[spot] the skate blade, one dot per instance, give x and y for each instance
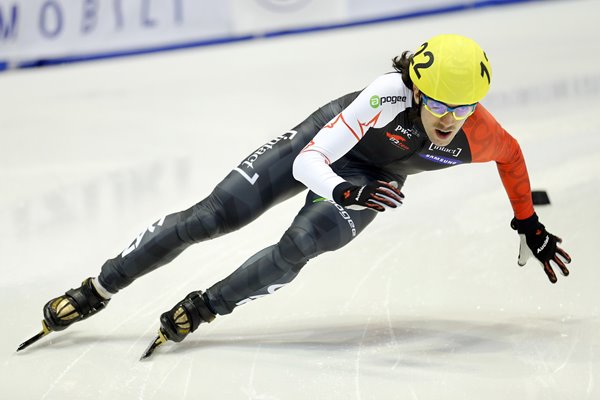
(158, 341)
(45, 330)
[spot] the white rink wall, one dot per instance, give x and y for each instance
(43, 32)
(427, 303)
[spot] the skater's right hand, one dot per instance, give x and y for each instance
(378, 196)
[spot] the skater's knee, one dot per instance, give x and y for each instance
(298, 245)
(200, 223)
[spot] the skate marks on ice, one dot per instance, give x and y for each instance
(359, 351)
(418, 343)
(348, 355)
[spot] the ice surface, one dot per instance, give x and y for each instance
(428, 303)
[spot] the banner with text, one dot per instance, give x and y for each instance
(34, 32)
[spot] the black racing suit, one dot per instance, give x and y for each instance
(264, 178)
(261, 180)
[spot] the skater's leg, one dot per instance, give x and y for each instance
(320, 226)
(164, 240)
(261, 180)
(237, 200)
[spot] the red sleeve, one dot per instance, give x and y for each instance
(490, 142)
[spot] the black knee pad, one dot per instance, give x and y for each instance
(298, 245)
(201, 223)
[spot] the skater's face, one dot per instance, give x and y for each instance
(439, 130)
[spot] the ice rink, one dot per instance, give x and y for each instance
(428, 303)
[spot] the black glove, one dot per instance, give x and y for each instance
(536, 241)
(377, 196)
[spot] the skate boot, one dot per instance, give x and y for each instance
(181, 320)
(63, 311)
(75, 305)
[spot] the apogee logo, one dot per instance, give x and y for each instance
(377, 101)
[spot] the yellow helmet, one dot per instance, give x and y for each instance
(452, 69)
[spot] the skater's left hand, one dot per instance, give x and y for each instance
(537, 242)
(378, 196)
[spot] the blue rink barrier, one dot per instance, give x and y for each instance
(468, 5)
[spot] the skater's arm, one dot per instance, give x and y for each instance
(490, 142)
(345, 130)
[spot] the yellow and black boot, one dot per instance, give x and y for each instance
(75, 305)
(185, 317)
(181, 320)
